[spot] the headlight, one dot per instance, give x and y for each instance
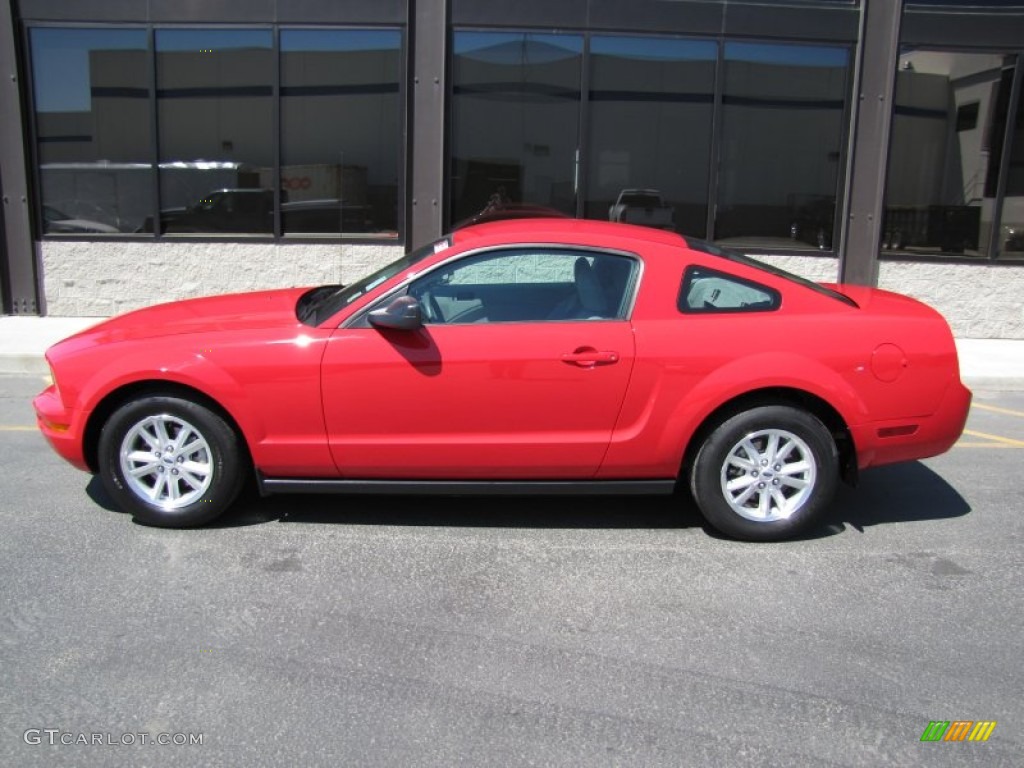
(53, 380)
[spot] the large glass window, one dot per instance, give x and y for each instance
(738, 142)
(340, 131)
(94, 144)
(216, 130)
(651, 109)
(945, 152)
(783, 117)
(1011, 244)
(514, 121)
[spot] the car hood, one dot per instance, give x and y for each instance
(262, 309)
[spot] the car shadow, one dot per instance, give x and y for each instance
(583, 512)
(901, 493)
(95, 491)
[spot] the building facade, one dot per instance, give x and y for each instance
(153, 150)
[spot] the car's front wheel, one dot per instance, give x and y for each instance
(170, 462)
(766, 473)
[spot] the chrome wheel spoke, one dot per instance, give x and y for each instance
(155, 491)
(784, 452)
(740, 483)
(793, 482)
(744, 497)
(173, 491)
(742, 463)
(779, 499)
(196, 483)
(148, 434)
(195, 468)
(160, 428)
(751, 451)
(144, 469)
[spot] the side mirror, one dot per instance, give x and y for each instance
(402, 314)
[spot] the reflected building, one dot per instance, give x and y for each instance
(289, 143)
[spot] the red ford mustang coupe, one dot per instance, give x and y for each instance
(545, 356)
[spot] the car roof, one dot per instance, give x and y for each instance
(564, 230)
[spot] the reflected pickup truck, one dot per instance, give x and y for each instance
(644, 207)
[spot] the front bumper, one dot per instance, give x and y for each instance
(62, 427)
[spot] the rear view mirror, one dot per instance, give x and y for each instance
(402, 314)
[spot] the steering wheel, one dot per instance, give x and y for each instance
(431, 309)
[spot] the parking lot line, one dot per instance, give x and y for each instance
(17, 429)
(1002, 446)
(996, 438)
(997, 409)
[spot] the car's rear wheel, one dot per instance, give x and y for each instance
(766, 473)
(170, 462)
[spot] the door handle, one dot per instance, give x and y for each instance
(588, 357)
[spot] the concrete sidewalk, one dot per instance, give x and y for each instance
(996, 364)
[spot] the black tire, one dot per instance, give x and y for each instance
(765, 501)
(202, 464)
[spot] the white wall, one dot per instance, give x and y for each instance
(98, 279)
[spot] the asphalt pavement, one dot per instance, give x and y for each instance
(392, 631)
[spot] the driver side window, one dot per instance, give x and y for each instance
(527, 285)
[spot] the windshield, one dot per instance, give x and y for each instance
(319, 304)
(739, 258)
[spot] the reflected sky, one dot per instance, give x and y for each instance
(60, 64)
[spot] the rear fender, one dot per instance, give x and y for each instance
(765, 373)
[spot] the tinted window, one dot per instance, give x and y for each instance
(216, 129)
(944, 164)
(708, 291)
(527, 285)
(651, 104)
(91, 93)
(781, 147)
(1011, 243)
(340, 130)
(514, 121)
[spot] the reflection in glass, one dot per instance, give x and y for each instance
(91, 95)
(514, 121)
(215, 118)
(651, 105)
(783, 112)
(944, 153)
(340, 130)
(1012, 241)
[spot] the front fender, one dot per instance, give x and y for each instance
(268, 383)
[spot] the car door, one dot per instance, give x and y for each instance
(512, 376)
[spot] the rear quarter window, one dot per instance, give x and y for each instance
(708, 291)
